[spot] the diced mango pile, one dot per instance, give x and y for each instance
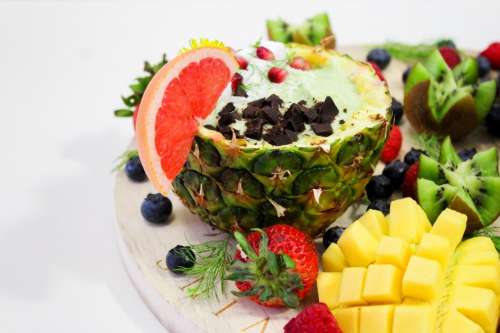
(400, 274)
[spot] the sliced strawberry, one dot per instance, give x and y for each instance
(409, 187)
(392, 145)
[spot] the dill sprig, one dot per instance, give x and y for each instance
(491, 232)
(430, 143)
(212, 260)
(124, 158)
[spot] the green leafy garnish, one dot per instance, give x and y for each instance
(124, 158)
(490, 232)
(212, 259)
(413, 52)
(430, 143)
(138, 88)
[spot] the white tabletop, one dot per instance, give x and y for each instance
(63, 66)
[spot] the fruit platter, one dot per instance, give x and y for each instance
(297, 185)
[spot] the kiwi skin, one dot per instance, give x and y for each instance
(459, 121)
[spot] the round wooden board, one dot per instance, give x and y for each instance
(143, 245)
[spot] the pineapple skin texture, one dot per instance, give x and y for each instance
(230, 186)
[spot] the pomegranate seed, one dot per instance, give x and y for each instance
(264, 53)
(300, 63)
(236, 81)
(277, 75)
(242, 62)
(377, 71)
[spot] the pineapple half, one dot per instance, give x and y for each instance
(236, 181)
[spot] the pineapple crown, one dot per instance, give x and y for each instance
(138, 87)
(271, 275)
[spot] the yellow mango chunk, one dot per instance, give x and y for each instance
(477, 304)
(483, 276)
(375, 222)
(477, 244)
(450, 224)
(478, 258)
(379, 316)
(457, 322)
(358, 245)
(421, 278)
(405, 220)
(382, 284)
(435, 247)
(423, 220)
(393, 251)
(333, 259)
(328, 284)
(413, 319)
(348, 319)
(351, 286)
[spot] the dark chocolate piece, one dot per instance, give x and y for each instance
(240, 92)
(254, 128)
(328, 111)
(272, 114)
(322, 129)
(251, 112)
(227, 109)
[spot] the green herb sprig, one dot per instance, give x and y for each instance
(124, 158)
(430, 143)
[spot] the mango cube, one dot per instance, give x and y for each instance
(477, 304)
(451, 225)
(393, 251)
(333, 259)
(379, 316)
(358, 245)
(348, 319)
(406, 221)
(375, 222)
(435, 247)
(351, 286)
(421, 278)
(382, 284)
(413, 319)
(457, 322)
(483, 276)
(328, 284)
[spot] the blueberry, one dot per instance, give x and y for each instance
(180, 258)
(379, 187)
(379, 56)
(395, 171)
(413, 155)
(134, 170)
(467, 154)
(484, 65)
(493, 120)
(156, 208)
(406, 73)
(381, 205)
(332, 235)
(397, 110)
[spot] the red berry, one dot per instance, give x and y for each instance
(236, 81)
(134, 115)
(450, 55)
(300, 63)
(264, 53)
(378, 71)
(492, 53)
(242, 62)
(409, 187)
(277, 75)
(392, 145)
(315, 318)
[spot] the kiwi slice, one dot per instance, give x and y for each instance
(278, 30)
(471, 187)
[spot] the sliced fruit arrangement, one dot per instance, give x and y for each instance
(294, 147)
(314, 31)
(401, 274)
(445, 101)
(470, 186)
(315, 318)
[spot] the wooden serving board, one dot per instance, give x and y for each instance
(144, 247)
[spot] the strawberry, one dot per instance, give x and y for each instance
(300, 63)
(280, 267)
(316, 318)
(378, 71)
(392, 145)
(242, 62)
(236, 81)
(450, 55)
(277, 75)
(492, 53)
(409, 187)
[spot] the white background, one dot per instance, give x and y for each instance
(63, 67)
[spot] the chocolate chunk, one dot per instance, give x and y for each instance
(210, 127)
(272, 114)
(259, 103)
(280, 138)
(227, 109)
(227, 118)
(254, 128)
(328, 111)
(227, 132)
(240, 92)
(274, 101)
(294, 118)
(322, 129)
(251, 112)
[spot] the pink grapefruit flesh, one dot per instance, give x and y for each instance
(184, 91)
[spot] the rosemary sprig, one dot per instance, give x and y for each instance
(124, 158)
(413, 52)
(213, 258)
(491, 232)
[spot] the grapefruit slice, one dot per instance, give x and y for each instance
(184, 91)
